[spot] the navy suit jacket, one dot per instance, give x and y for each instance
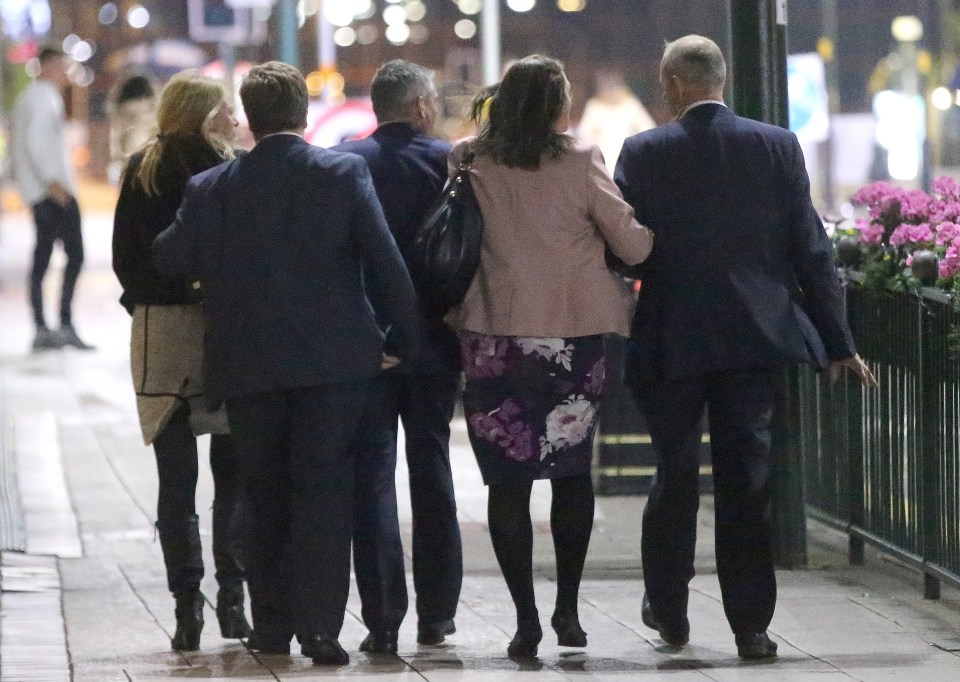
(287, 243)
(409, 171)
(741, 277)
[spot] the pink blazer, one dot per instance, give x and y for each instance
(542, 271)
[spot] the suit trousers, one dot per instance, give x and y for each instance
(297, 469)
(424, 404)
(55, 223)
(740, 408)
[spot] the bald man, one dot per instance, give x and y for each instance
(741, 284)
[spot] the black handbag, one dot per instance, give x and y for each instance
(445, 251)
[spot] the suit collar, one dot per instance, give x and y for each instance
(706, 112)
(280, 140)
(400, 129)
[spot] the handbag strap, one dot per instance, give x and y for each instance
(466, 163)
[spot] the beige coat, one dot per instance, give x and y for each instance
(542, 271)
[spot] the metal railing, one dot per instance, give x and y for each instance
(884, 464)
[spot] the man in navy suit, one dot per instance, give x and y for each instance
(741, 283)
(288, 242)
(409, 169)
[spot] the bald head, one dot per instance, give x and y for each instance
(692, 69)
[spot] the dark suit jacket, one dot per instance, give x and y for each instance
(409, 170)
(741, 277)
(280, 241)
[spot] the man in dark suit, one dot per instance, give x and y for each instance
(287, 242)
(741, 283)
(409, 168)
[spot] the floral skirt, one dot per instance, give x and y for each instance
(531, 404)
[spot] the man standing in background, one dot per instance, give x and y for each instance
(41, 165)
(409, 168)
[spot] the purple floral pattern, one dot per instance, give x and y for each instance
(532, 403)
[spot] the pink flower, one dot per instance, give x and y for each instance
(911, 234)
(946, 233)
(915, 205)
(869, 232)
(947, 188)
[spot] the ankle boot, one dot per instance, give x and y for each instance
(230, 616)
(189, 613)
(525, 642)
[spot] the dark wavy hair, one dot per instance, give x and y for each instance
(519, 128)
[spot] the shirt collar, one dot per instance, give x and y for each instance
(698, 104)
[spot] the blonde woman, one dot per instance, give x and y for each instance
(195, 127)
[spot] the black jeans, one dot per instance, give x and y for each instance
(740, 408)
(55, 223)
(177, 469)
(297, 470)
(424, 404)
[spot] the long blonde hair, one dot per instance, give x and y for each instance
(188, 105)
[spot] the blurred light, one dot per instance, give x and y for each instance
(572, 5)
(314, 83)
(138, 16)
(942, 99)
(336, 83)
(108, 13)
(394, 14)
(470, 6)
(398, 34)
(364, 9)
(301, 14)
(957, 97)
(83, 77)
(344, 36)
(907, 29)
(465, 29)
(339, 13)
(82, 51)
(419, 34)
(416, 10)
(69, 42)
(521, 5)
(311, 7)
(367, 34)
(393, 2)
(32, 67)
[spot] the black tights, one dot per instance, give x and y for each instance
(177, 466)
(511, 531)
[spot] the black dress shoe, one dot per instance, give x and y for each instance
(269, 644)
(524, 644)
(675, 634)
(567, 626)
(323, 650)
(755, 645)
(434, 633)
(380, 642)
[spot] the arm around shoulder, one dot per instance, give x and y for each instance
(175, 249)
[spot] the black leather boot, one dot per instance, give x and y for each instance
(182, 556)
(189, 614)
(230, 616)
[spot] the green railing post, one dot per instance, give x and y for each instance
(759, 69)
(929, 441)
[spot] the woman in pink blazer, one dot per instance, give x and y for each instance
(532, 327)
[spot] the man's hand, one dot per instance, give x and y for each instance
(59, 193)
(856, 364)
(389, 361)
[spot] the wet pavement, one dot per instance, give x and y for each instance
(88, 601)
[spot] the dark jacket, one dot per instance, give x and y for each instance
(409, 170)
(139, 218)
(741, 277)
(281, 240)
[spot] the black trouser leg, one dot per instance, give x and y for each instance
(741, 411)
(673, 411)
(571, 521)
(45, 220)
(426, 404)
(511, 532)
(72, 240)
(258, 424)
(226, 504)
(377, 549)
(176, 452)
